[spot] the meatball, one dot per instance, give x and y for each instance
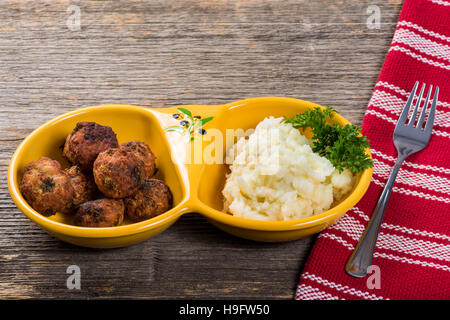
(151, 199)
(100, 213)
(46, 188)
(83, 185)
(142, 150)
(86, 141)
(118, 172)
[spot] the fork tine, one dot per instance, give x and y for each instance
(405, 112)
(424, 109)
(430, 120)
(419, 99)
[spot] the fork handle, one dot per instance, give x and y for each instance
(361, 258)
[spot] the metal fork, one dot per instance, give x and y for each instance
(409, 138)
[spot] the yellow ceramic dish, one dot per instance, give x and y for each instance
(195, 187)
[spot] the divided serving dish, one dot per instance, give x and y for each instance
(196, 186)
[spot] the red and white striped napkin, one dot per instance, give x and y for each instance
(412, 256)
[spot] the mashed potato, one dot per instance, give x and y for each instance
(276, 176)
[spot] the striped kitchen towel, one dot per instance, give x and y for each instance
(412, 256)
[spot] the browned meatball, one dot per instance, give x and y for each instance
(142, 150)
(151, 199)
(86, 141)
(83, 185)
(118, 172)
(100, 213)
(46, 188)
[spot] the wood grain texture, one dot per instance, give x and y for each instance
(164, 53)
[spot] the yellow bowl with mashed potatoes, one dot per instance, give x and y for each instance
(193, 164)
(247, 114)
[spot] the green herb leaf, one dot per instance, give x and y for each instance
(344, 146)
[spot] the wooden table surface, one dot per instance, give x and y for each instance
(164, 53)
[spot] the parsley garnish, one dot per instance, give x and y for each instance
(344, 146)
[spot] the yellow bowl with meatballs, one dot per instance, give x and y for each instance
(114, 175)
